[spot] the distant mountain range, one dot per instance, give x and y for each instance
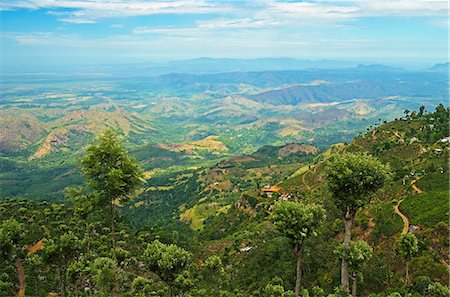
(222, 65)
(443, 67)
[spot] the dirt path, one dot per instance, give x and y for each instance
(358, 146)
(21, 271)
(444, 263)
(373, 134)
(38, 246)
(304, 181)
(313, 171)
(416, 189)
(430, 248)
(21, 276)
(404, 218)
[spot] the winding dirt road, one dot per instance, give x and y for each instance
(404, 218)
(416, 189)
(21, 276)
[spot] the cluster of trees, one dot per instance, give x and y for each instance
(89, 250)
(353, 179)
(436, 123)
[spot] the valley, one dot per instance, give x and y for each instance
(218, 152)
(192, 120)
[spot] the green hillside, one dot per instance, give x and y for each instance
(220, 213)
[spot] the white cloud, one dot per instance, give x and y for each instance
(404, 8)
(91, 11)
(250, 14)
(225, 23)
(314, 10)
(169, 31)
(116, 26)
(359, 8)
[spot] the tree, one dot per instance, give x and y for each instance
(421, 111)
(142, 286)
(168, 261)
(214, 273)
(83, 205)
(112, 174)
(353, 178)
(358, 253)
(438, 290)
(104, 272)
(60, 252)
(275, 288)
(297, 221)
(407, 246)
(11, 234)
(78, 273)
(34, 264)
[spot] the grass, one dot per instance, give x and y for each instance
(427, 209)
(387, 222)
(196, 215)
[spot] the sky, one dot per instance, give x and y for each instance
(37, 34)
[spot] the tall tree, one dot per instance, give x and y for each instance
(168, 261)
(11, 234)
(111, 173)
(105, 275)
(359, 252)
(407, 246)
(297, 221)
(214, 273)
(353, 178)
(60, 252)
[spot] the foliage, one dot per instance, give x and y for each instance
(359, 252)
(239, 251)
(104, 272)
(169, 262)
(297, 220)
(438, 290)
(353, 178)
(275, 288)
(407, 246)
(109, 170)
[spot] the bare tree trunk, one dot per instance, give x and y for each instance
(348, 223)
(298, 282)
(407, 272)
(88, 247)
(62, 281)
(36, 285)
(90, 287)
(354, 285)
(170, 291)
(113, 236)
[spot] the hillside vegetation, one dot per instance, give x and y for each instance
(220, 229)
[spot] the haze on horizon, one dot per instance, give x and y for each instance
(38, 35)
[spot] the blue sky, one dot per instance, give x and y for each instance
(40, 33)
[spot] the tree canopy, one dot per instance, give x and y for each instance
(109, 170)
(354, 177)
(297, 220)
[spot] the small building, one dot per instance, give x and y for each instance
(285, 197)
(269, 190)
(245, 249)
(414, 139)
(445, 139)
